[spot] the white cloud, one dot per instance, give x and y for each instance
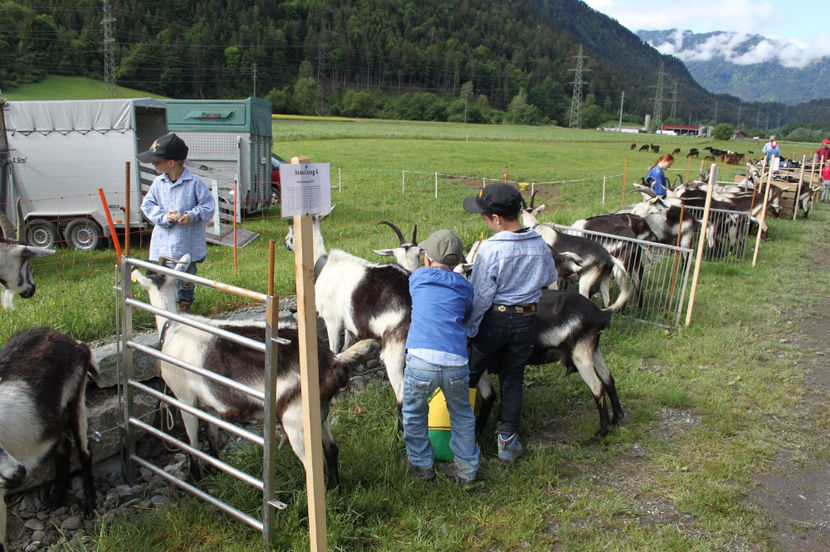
(794, 37)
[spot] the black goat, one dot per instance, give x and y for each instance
(568, 329)
(42, 403)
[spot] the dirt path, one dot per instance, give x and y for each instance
(795, 494)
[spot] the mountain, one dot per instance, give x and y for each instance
(752, 67)
(498, 61)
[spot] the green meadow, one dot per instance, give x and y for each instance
(707, 405)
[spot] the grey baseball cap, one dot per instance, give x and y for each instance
(445, 247)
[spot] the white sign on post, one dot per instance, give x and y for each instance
(306, 189)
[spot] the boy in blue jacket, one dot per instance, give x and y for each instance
(436, 356)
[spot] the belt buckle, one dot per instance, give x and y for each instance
(501, 308)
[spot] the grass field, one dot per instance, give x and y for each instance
(731, 378)
(57, 87)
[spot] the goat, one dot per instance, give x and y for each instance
(632, 255)
(16, 270)
(675, 151)
(368, 300)
(633, 146)
(244, 365)
(42, 402)
(407, 253)
(693, 152)
(664, 219)
(644, 147)
(593, 265)
(655, 148)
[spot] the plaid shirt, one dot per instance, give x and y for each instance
(188, 194)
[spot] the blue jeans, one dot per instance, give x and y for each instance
(185, 289)
(825, 188)
(420, 379)
(502, 346)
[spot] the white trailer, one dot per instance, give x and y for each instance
(59, 153)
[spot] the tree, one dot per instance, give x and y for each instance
(520, 112)
(723, 131)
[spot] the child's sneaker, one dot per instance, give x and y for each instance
(509, 447)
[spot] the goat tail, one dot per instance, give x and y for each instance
(625, 283)
(357, 351)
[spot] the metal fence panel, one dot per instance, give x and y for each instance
(726, 236)
(660, 274)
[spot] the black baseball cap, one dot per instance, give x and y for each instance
(497, 199)
(166, 147)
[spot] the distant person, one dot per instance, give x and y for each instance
(823, 153)
(656, 177)
(771, 150)
(179, 204)
(436, 356)
(509, 272)
(825, 184)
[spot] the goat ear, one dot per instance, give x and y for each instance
(384, 252)
(540, 208)
(39, 251)
(183, 262)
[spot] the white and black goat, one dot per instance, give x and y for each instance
(594, 267)
(630, 253)
(16, 270)
(408, 253)
(43, 377)
(362, 299)
(244, 365)
(568, 328)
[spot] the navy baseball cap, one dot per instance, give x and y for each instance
(166, 147)
(497, 199)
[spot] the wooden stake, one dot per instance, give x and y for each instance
(798, 189)
(762, 219)
(310, 378)
(713, 177)
(126, 211)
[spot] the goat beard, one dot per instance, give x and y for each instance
(8, 299)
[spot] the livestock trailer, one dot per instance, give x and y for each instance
(229, 141)
(59, 153)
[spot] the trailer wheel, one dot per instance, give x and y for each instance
(84, 234)
(41, 233)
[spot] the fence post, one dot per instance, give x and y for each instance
(625, 177)
(436, 184)
(339, 180)
(798, 190)
(603, 190)
(713, 177)
(403, 182)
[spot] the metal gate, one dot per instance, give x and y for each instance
(726, 235)
(660, 273)
(268, 397)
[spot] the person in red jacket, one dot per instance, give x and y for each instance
(823, 153)
(825, 185)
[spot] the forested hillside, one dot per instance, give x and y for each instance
(502, 60)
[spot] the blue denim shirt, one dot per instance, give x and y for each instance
(188, 194)
(511, 268)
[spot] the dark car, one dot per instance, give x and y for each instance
(275, 177)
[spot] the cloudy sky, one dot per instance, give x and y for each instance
(798, 30)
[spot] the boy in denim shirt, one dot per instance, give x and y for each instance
(179, 204)
(436, 356)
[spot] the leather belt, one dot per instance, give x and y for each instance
(527, 310)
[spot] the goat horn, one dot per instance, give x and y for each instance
(415, 233)
(395, 228)
(533, 198)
